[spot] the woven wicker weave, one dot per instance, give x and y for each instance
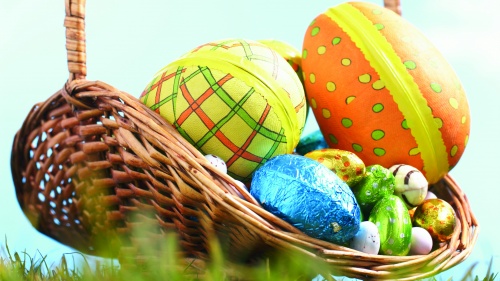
(98, 171)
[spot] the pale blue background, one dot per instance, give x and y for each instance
(128, 41)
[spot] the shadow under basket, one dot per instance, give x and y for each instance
(97, 170)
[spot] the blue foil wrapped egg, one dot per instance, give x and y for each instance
(309, 196)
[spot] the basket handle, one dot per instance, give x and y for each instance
(75, 35)
(75, 39)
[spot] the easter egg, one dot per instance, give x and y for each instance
(409, 184)
(377, 183)
(217, 162)
(391, 217)
(421, 241)
(379, 88)
(345, 164)
(234, 98)
(310, 142)
(367, 239)
(307, 195)
(437, 217)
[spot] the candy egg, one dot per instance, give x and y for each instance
(377, 183)
(309, 196)
(345, 164)
(217, 162)
(421, 241)
(379, 88)
(237, 99)
(391, 217)
(410, 184)
(437, 217)
(367, 239)
(430, 195)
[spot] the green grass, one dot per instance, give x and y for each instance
(22, 266)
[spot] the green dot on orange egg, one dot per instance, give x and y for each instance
(376, 11)
(313, 103)
(466, 139)
(439, 122)
(378, 134)
(304, 54)
(454, 103)
(379, 151)
(378, 85)
(321, 50)
(410, 64)
(312, 78)
(346, 122)
(454, 150)
(315, 31)
(326, 113)
(378, 107)
(464, 119)
(349, 99)
(404, 124)
(414, 151)
(333, 139)
(345, 62)
(357, 147)
(436, 87)
(312, 22)
(379, 26)
(330, 86)
(336, 41)
(364, 78)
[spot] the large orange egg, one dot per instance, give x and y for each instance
(379, 88)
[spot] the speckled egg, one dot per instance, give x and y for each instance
(217, 162)
(437, 217)
(345, 164)
(378, 87)
(309, 196)
(367, 239)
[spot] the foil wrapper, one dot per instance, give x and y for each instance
(309, 196)
(311, 142)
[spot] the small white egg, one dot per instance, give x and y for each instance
(430, 195)
(421, 241)
(242, 185)
(367, 239)
(217, 162)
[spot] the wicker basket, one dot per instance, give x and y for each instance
(98, 171)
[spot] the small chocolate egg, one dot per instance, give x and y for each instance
(367, 240)
(391, 217)
(307, 195)
(437, 217)
(345, 164)
(421, 241)
(312, 141)
(217, 162)
(410, 184)
(377, 183)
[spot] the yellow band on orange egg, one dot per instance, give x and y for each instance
(243, 69)
(401, 85)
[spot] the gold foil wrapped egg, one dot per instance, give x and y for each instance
(437, 217)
